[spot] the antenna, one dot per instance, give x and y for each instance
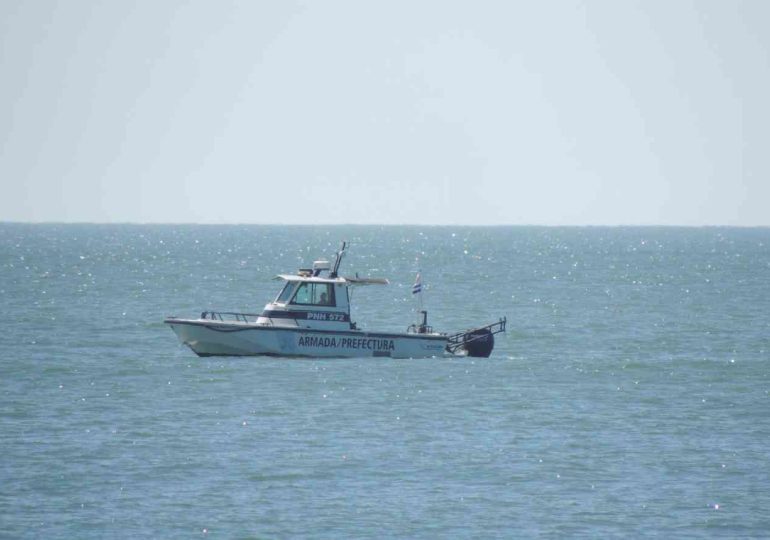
(337, 262)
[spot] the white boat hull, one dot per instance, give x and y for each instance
(226, 338)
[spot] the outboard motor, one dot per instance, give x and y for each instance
(479, 343)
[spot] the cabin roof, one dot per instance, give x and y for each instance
(339, 280)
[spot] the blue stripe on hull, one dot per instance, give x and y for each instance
(352, 333)
(333, 316)
(221, 339)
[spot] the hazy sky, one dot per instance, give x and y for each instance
(511, 112)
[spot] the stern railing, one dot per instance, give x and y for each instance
(461, 340)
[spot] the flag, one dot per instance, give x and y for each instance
(417, 287)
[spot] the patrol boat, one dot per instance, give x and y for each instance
(310, 317)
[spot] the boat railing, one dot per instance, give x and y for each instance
(230, 316)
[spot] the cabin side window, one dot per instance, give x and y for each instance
(285, 293)
(315, 294)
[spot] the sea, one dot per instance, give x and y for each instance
(629, 397)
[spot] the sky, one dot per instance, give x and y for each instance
(601, 112)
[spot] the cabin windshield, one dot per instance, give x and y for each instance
(315, 294)
(285, 293)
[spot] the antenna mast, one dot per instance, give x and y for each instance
(337, 262)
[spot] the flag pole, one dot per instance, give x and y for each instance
(417, 289)
(419, 292)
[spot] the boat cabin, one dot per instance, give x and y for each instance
(314, 298)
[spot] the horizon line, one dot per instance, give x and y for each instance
(478, 225)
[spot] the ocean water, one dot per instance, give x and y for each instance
(630, 396)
